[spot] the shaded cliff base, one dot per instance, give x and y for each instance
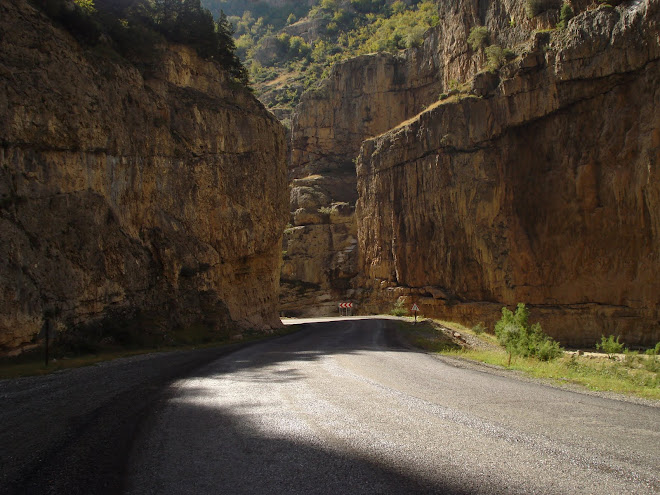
(573, 325)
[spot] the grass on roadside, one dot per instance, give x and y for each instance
(32, 363)
(427, 337)
(636, 375)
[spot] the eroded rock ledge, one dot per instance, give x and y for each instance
(155, 200)
(546, 190)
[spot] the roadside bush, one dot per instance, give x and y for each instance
(515, 334)
(399, 308)
(478, 38)
(479, 328)
(610, 346)
(655, 351)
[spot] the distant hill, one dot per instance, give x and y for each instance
(288, 46)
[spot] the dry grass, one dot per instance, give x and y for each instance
(636, 375)
(32, 363)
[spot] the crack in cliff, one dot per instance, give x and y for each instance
(615, 80)
(405, 90)
(7, 146)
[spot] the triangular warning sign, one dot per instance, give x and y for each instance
(415, 307)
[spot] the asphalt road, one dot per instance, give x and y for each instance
(342, 407)
(339, 407)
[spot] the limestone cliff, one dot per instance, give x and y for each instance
(153, 197)
(543, 190)
(362, 98)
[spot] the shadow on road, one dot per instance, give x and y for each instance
(245, 453)
(73, 432)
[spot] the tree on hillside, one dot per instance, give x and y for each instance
(134, 27)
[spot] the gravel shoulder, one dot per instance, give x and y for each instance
(473, 342)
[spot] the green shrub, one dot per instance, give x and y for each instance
(478, 37)
(515, 334)
(547, 349)
(479, 328)
(496, 56)
(654, 351)
(399, 308)
(610, 346)
(536, 7)
(565, 15)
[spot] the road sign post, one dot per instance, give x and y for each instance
(415, 309)
(346, 306)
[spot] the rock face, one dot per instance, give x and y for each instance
(362, 98)
(544, 191)
(154, 199)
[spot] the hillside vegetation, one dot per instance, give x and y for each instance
(288, 48)
(135, 29)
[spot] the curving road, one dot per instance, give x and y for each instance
(342, 407)
(338, 407)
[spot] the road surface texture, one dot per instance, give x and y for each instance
(339, 407)
(343, 408)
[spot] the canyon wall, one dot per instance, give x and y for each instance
(153, 198)
(543, 189)
(362, 98)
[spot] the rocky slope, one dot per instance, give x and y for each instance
(544, 190)
(129, 199)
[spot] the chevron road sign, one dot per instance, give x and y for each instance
(345, 308)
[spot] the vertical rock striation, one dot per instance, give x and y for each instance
(155, 198)
(543, 191)
(362, 98)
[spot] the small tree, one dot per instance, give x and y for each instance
(536, 7)
(610, 346)
(565, 15)
(86, 5)
(399, 308)
(515, 334)
(478, 38)
(496, 57)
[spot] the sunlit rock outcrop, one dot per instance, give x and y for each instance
(154, 198)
